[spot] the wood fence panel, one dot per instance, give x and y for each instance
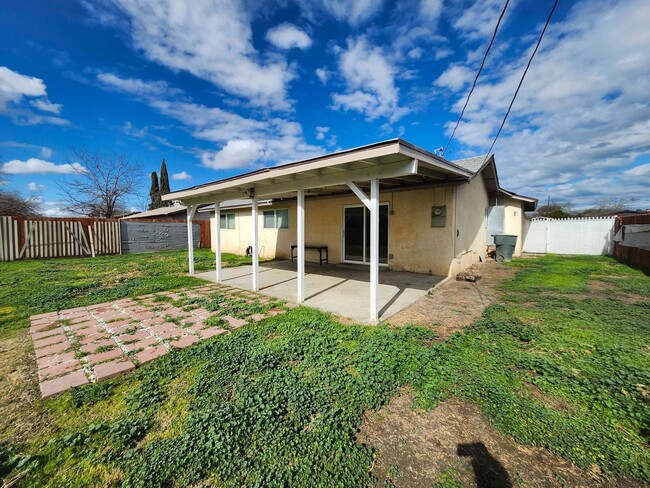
(43, 237)
(632, 255)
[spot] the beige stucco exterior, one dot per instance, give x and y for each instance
(414, 245)
(514, 220)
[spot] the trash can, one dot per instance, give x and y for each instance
(505, 244)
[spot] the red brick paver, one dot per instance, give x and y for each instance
(113, 368)
(87, 344)
(52, 387)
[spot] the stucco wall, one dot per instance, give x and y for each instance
(272, 242)
(414, 244)
(471, 202)
(514, 220)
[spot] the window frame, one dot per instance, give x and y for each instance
(224, 215)
(275, 218)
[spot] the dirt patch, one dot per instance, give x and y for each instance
(602, 290)
(455, 442)
(20, 419)
(456, 304)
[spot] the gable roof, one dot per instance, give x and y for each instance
(486, 164)
(473, 164)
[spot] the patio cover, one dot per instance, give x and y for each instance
(390, 165)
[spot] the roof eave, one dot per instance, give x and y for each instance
(377, 150)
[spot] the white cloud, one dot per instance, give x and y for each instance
(323, 75)
(477, 20)
(369, 77)
(277, 139)
(14, 88)
(45, 105)
(183, 175)
(34, 166)
(287, 36)
(583, 113)
(212, 40)
(45, 151)
(354, 12)
(321, 132)
(455, 77)
(136, 86)
(33, 186)
(13, 83)
(235, 154)
(641, 171)
(431, 9)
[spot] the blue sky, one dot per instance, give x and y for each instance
(221, 87)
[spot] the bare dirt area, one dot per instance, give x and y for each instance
(456, 304)
(455, 444)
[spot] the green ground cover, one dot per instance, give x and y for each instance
(561, 362)
(41, 285)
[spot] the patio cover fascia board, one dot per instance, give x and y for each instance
(359, 164)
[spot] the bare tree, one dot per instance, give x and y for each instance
(101, 184)
(14, 204)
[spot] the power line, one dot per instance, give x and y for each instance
(521, 81)
(494, 34)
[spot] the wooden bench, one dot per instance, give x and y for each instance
(320, 250)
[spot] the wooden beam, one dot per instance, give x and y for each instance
(364, 174)
(359, 193)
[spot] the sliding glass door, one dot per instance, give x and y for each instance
(356, 234)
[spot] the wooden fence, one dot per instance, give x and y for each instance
(632, 255)
(42, 237)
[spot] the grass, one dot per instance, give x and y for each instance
(554, 364)
(38, 286)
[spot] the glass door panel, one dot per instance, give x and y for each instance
(354, 235)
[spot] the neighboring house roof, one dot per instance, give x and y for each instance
(157, 212)
(237, 203)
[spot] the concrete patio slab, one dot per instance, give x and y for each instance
(341, 289)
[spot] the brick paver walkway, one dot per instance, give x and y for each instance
(87, 344)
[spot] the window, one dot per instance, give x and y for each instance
(276, 219)
(227, 220)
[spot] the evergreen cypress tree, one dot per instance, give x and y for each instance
(164, 181)
(154, 193)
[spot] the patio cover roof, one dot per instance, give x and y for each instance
(397, 163)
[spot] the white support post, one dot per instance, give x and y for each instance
(191, 210)
(374, 250)
(256, 264)
(300, 218)
(217, 240)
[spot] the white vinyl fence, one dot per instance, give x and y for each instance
(591, 235)
(38, 237)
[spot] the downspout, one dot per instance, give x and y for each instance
(455, 234)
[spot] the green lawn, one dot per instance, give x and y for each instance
(37, 286)
(561, 362)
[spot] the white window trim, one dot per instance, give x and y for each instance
(275, 219)
(225, 215)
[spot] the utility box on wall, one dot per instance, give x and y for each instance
(439, 216)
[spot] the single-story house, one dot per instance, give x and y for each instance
(389, 204)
